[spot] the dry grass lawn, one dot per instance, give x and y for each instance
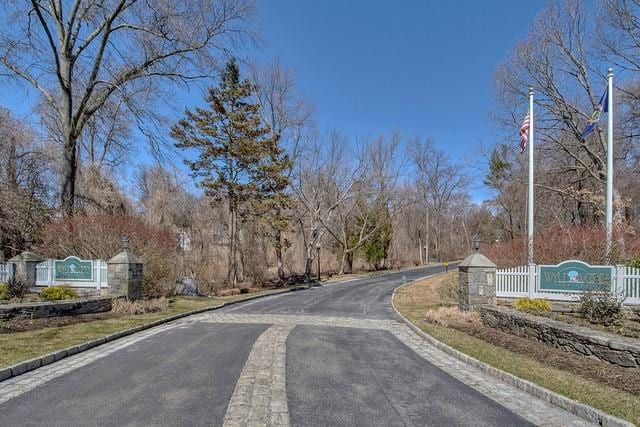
(415, 300)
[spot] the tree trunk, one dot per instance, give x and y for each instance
(307, 269)
(69, 170)
(280, 264)
(232, 272)
(70, 155)
(343, 261)
(350, 262)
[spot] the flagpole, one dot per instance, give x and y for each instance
(609, 201)
(530, 190)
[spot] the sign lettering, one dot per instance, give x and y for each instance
(73, 269)
(574, 276)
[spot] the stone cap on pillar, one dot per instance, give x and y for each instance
(477, 260)
(124, 257)
(26, 256)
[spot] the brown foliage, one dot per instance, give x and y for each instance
(100, 237)
(557, 244)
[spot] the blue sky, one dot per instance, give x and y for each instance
(424, 68)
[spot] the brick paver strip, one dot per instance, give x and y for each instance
(260, 395)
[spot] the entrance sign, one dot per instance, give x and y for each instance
(73, 269)
(575, 276)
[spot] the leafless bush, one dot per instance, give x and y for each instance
(449, 316)
(450, 291)
(124, 307)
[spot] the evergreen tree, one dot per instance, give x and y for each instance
(376, 249)
(239, 161)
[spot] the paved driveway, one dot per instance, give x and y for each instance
(335, 355)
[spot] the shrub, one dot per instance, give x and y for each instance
(4, 291)
(122, 306)
(449, 290)
(449, 316)
(58, 292)
(555, 244)
(635, 262)
(228, 292)
(16, 288)
(532, 305)
(601, 308)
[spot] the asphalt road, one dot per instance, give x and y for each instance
(367, 298)
(335, 376)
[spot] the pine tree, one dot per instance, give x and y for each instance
(239, 161)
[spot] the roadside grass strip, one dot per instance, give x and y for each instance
(415, 299)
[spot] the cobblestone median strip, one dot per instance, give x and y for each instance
(260, 395)
(286, 319)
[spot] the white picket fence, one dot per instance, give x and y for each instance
(6, 272)
(45, 275)
(523, 281)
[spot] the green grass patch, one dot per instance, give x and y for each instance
(414, 300)
(20, 346)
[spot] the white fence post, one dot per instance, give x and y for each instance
(532, 281)
(618, 287)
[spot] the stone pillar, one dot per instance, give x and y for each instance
(24, 268)
(477, 282)
(124, 275)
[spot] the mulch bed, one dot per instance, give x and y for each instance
(602, 372)
(21, 325)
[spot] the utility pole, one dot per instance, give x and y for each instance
(426, 246)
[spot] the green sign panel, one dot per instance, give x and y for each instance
(574, 276)
(73, 269)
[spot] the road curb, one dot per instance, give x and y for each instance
(574, 407)
(40, 361)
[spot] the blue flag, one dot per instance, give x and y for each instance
(603, 107)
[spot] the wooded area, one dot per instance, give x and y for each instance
(265, 189)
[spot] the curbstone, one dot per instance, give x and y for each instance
(46, 359)
(5, 374)
(581, 410)
(18, 369)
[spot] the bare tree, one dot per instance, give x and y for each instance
(323, 180)
(438, 180)
(81, 54)
(24, 178)
(374, 200)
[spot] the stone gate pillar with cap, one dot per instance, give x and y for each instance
(477, 282)
(124, 274)
(25, 264)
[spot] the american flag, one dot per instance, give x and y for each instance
(524, 133)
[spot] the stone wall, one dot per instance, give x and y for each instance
(36, 310)
(611, 348)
